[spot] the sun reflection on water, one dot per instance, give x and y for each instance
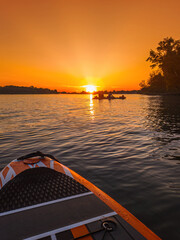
(91, 106)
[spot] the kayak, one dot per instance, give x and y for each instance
(109, 98)
(40, 198)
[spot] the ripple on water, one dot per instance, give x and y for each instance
(130, 149)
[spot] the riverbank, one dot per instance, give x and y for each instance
(26, 90)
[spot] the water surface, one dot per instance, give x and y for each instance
(128, 148)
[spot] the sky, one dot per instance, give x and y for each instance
(66, 44)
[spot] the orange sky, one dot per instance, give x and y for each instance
(65, 44)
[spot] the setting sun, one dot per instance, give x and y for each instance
(90, 88)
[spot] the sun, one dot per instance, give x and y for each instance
(90, 88)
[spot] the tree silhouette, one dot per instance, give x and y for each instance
(166, 60)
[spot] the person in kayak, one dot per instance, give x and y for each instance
(110, 96)
(101, 95)
(123, 97)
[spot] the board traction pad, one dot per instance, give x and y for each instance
(37, 185)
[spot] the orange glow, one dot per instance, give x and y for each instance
(90, 88)
(58, 45)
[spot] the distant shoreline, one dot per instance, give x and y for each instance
(11, 89)
(20, 90)
(26, 90)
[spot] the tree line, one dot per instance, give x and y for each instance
(25, 90)
(165, 65)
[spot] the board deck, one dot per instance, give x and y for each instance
(45, 200)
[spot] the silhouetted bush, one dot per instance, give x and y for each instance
(166, 61)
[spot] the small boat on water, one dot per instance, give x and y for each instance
(100, 98)
(40, 198)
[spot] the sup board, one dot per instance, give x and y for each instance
(41, 199)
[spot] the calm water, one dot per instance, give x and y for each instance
(130, 149)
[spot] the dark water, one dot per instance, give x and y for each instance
(130, 149)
